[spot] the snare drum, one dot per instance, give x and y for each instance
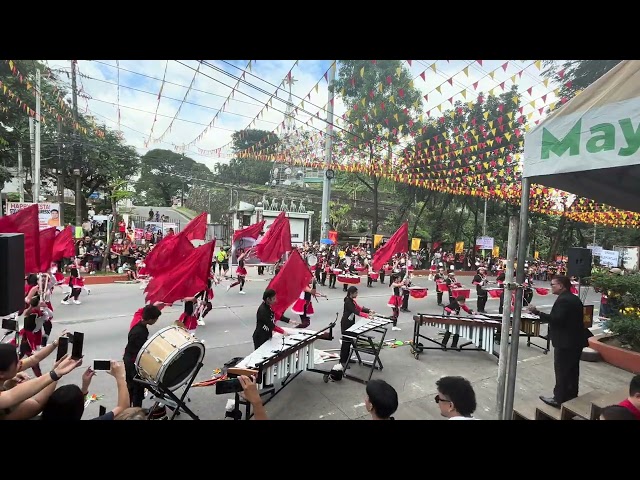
(169, 357)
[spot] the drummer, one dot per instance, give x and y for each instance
(138, 335)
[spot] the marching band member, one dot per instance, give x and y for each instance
(458, 303)
(205, 299)
(241, 271)
(326, 269)
(451, 282)
(480, 280)
(265, 324)
(369, 272)
(395, 300)
(187, 318)
(406, 283)
(76, 288)
(351, 309)
(334, 266)
(438, 278)
(303, 305)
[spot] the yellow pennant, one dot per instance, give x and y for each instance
(466, 70)
(433, 67)
(438, 89)
(392, 99)
(362, 72)
(538, 64)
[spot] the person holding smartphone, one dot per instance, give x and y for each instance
(11, 366)
(251, 395)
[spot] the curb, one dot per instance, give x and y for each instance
(184, 214)
(102, 280)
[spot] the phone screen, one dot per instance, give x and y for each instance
(78, 340)
(63, 347)
(102, 365)
(8, 324)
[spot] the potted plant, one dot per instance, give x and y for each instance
(620, 347)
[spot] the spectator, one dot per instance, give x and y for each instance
(632, 403)
(616, 412)
(381, 401)
(456, 398)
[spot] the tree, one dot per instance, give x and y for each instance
(381, 101)
(245, 167)
(339, 216)
(576, 75)
(165, 174)
(117, 191)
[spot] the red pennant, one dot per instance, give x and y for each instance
(26, 221)
(47, 240)
(290, 281)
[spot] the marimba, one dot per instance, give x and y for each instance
(529, 325)
(279, 361)
(349, 279)
(361, 335)
(478, 329)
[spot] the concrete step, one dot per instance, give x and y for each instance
(546, 412)
(580, 406)
(612, 398)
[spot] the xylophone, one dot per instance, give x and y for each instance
(529, 325)
(360, 334)
(279, 360)
(478, 329)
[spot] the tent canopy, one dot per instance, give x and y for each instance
(591, 146)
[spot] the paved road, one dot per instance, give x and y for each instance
(104, 317)
(170, 212)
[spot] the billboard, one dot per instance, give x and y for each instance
(48, 213)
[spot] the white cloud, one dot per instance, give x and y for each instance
(212, 87)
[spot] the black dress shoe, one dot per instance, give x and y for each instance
(550, 401)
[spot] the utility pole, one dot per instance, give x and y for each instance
(20, 173)
(32, 146)
(60, 175)
(76, 151)
(328, 172)
(36, 172)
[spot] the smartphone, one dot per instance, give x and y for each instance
(70, 337)
(102, 365)
(8, 324)
(232, 385)
(78, 340)
(63, 347)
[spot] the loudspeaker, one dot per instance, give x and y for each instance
(11, 273)
(579, 264)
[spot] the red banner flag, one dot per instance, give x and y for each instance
(47, 240)
(398, 243)
(168, 253)
(26, 221)
(252, 231)
(289, 283)
(196, 229)
(276, 242)
(333, 236)
(63, 245)
(185, 279)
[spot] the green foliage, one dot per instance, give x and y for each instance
(339, 215)
(624, 293)
(246, 168)
(166, 174)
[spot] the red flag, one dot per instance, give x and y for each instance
(333, 236)
(252, 231)
(184, 279)
(290, 281)
(168, 253)
(26, 221)
(398, 243)
(196, 229)
(63, 245)
(276, 242)
(47, 240)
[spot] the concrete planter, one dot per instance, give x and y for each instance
(618, 357)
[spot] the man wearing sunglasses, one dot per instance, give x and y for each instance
(568, 337)
(456, 398)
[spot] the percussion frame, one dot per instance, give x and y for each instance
(369, 348)
(272, 390)
(527, 333)
(417, 348)
(161, 392)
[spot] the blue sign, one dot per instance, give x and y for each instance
(94, 195)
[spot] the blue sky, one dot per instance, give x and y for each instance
(137, 96)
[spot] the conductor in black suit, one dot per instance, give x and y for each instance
(568, 337)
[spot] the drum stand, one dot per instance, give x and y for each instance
(163, 393)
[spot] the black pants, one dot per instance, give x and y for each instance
(405, 300)
(207, 309)
(347, 341)
(323, 278)
(75, 293)
(332, 280)
(566, 364)
(382, 276)
(239, 282)
(136, 389)
(482, 300)
(369, 281)
(260, 270)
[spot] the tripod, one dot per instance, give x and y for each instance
(161, 392)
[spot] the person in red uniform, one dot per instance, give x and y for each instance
(137, 316)
(395, 300)
(632, 403)
(187, 318)
(457, 304)
(76, 285)
(303, 305)
(241, 272)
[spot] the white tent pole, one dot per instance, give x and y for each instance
(517, 309)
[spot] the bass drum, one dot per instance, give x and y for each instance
(169, 357)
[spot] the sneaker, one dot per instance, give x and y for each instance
(242, 292)
(64, 302)
(77, 302)
(396, 329)
(201, 323)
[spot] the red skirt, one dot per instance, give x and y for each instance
(34, 340)
(374, 276)
(190, 322)
(298, 307)
(241, 272)
(395, 301)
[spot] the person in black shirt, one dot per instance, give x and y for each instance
(351, 309)
(479, 281)
(138, 335)
(458, 303)
(265, 325)
(439, 277)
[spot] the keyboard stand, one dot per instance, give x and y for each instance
(366, 344)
